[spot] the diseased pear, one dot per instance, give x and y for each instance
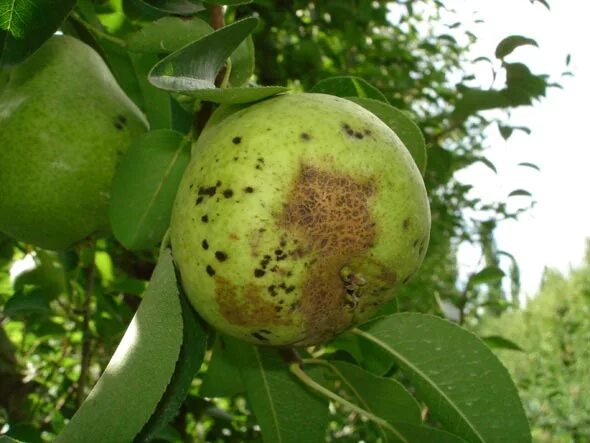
(64, 123)
(297, 218)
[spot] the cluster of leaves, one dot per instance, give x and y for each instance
(412, 375)
(551, 370)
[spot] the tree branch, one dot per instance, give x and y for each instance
(85, 361)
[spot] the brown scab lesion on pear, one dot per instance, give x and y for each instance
(298, 217)
(64, 124)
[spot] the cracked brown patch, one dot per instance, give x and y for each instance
(330, 212)
(248, 306)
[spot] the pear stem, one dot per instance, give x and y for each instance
(296, 370)
(100, 33)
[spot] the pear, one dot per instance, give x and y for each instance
(297, 218)
(64, 124)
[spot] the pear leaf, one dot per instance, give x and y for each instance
(135, 379)
(25, 25)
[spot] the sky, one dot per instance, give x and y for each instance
(553, 233)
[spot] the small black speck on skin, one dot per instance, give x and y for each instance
(278, 309)
(279, 252)
(290, 289)
(259, 273)
(283, 286)
(210, 270)
(272, 290)
(416, 243)
(120, 122)
(205, 218)
(305, 136)
(210, 191)
(205, 244)
(218, 184)
(259, 337)
(228, 193)
(236, 159)
(367, 132)
(221, 256)
(190, 186)
(249, 189)
(264, 262)
(406, 223)
(236, 140)
(283, 242)
(199, 200)
(264, 331)
(359, 135)
(407, 279)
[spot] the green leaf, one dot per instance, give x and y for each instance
(348, 86)
(384, 397)
(179, 7)
(192, 352)
(242, 63)
(285, 409)
(29, 300)
(196, 65)
(156, 103)
(488, 163)
(520, 193)
(401, 124)
(6, 439)
(522, 85)
(368, 355)
(135, 379)
(464, 384)
(505, 131)
(509, 44)
(424, 434)
(25, 25)
(229, 2)
(236, 95)
(145, 185)
(167, 34)
(529, 165)
(48, 275)
(222, 378)
(473, 100)
(488, 275)
(499, 342)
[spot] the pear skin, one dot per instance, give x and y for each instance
(64, 124)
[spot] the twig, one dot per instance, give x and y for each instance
(343, 379)
(296, 369)
(217, 19)
(98, 32)
(85, 360)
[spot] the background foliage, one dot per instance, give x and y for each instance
(552, 372)
(56, 336)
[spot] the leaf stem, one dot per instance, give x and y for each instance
(99, 32)
(296, 370)
(343, 379)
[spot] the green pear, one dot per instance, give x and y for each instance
(297, 218)
(64, 124)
